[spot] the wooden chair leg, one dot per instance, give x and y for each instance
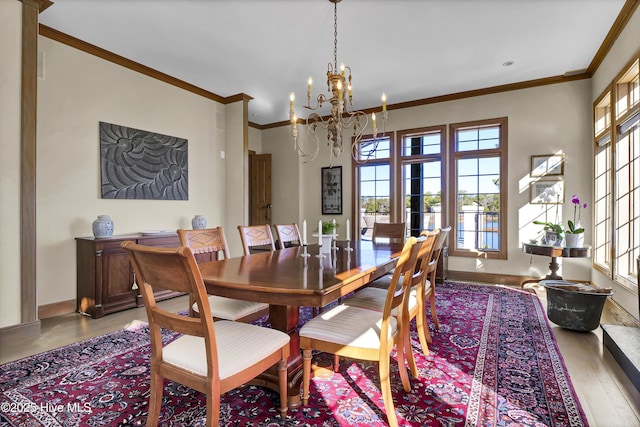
(213, 409)
(155, 399)
(408, 351)
(385, 388)
(423, 327)
(434, 315)
(336, 363)
(306, 374)
(282, 384)
(402, 368)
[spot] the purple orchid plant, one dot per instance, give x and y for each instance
(578, 205)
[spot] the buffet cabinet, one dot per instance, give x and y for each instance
(106, 282)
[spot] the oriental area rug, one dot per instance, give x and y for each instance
(494, 362)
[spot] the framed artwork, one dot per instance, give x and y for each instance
(547, 192)
(547, 165)
(138, 164)
(332, 190)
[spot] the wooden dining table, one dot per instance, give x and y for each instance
(287, 280)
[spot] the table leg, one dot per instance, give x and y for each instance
(285, 318)
(553, 267)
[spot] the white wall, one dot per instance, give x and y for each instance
(626, 45)
(80, 90)
(10, 80)
(542, 120)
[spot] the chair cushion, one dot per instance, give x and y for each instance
(352, 326)
(240, 345)
(374, 299)
(232, 309)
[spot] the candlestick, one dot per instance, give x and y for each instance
(384, 102)
(304, 253)
(320, 233)
(292, 97)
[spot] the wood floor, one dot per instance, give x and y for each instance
(607, 396)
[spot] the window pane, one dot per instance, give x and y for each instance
(483, 138)
(422, 144)
(374, 203)
(627, 203)
(375, 149)
(423, 196)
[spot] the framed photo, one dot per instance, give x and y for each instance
(547, 165)
(547, 192)
(332, 190)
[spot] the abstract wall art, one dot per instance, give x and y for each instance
(138, 164)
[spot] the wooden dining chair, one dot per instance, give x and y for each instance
(212, 241)
(389, 231)
(430, 284)
(364, 334)
(209, 357)
(374, 298)
(256, 238)
(288, 235)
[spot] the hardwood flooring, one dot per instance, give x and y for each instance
(608, 397)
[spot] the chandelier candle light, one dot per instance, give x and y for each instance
(342, 116)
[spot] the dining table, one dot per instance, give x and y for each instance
(295, 277)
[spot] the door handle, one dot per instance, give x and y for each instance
(268, 211)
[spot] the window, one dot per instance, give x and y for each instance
(603, 188)
(627, 201)
(422, 176)
(478, 197)
(373, 184)
(617, 178)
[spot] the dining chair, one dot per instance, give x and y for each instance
(209, 357)
(213, 241)
(389, 231)
(288, 235)
(431, 274)
(373, 298)
(256, 238)
(365, 334)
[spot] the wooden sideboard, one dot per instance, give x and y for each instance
(106, 281)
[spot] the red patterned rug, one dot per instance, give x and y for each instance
(494, 362)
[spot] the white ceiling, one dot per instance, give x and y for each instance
(409, 49)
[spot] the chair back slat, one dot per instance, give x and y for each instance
(288, 235)
(391, 231)
(256, 237)
(424, 256)
(402, 278)
(437, 249)
(205, 240)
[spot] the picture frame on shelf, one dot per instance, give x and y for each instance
(547, 165)
(547, 192)
(332, 190)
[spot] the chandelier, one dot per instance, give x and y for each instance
(342, 116)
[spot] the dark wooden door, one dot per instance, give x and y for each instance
(260, 189)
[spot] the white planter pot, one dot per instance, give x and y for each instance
(574, 240)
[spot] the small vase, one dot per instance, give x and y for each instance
(102, 226)
(574, 240)
(199, 222)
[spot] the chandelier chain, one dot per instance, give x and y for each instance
(335, 35)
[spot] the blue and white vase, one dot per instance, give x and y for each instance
(102, 226)
(199, 222)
